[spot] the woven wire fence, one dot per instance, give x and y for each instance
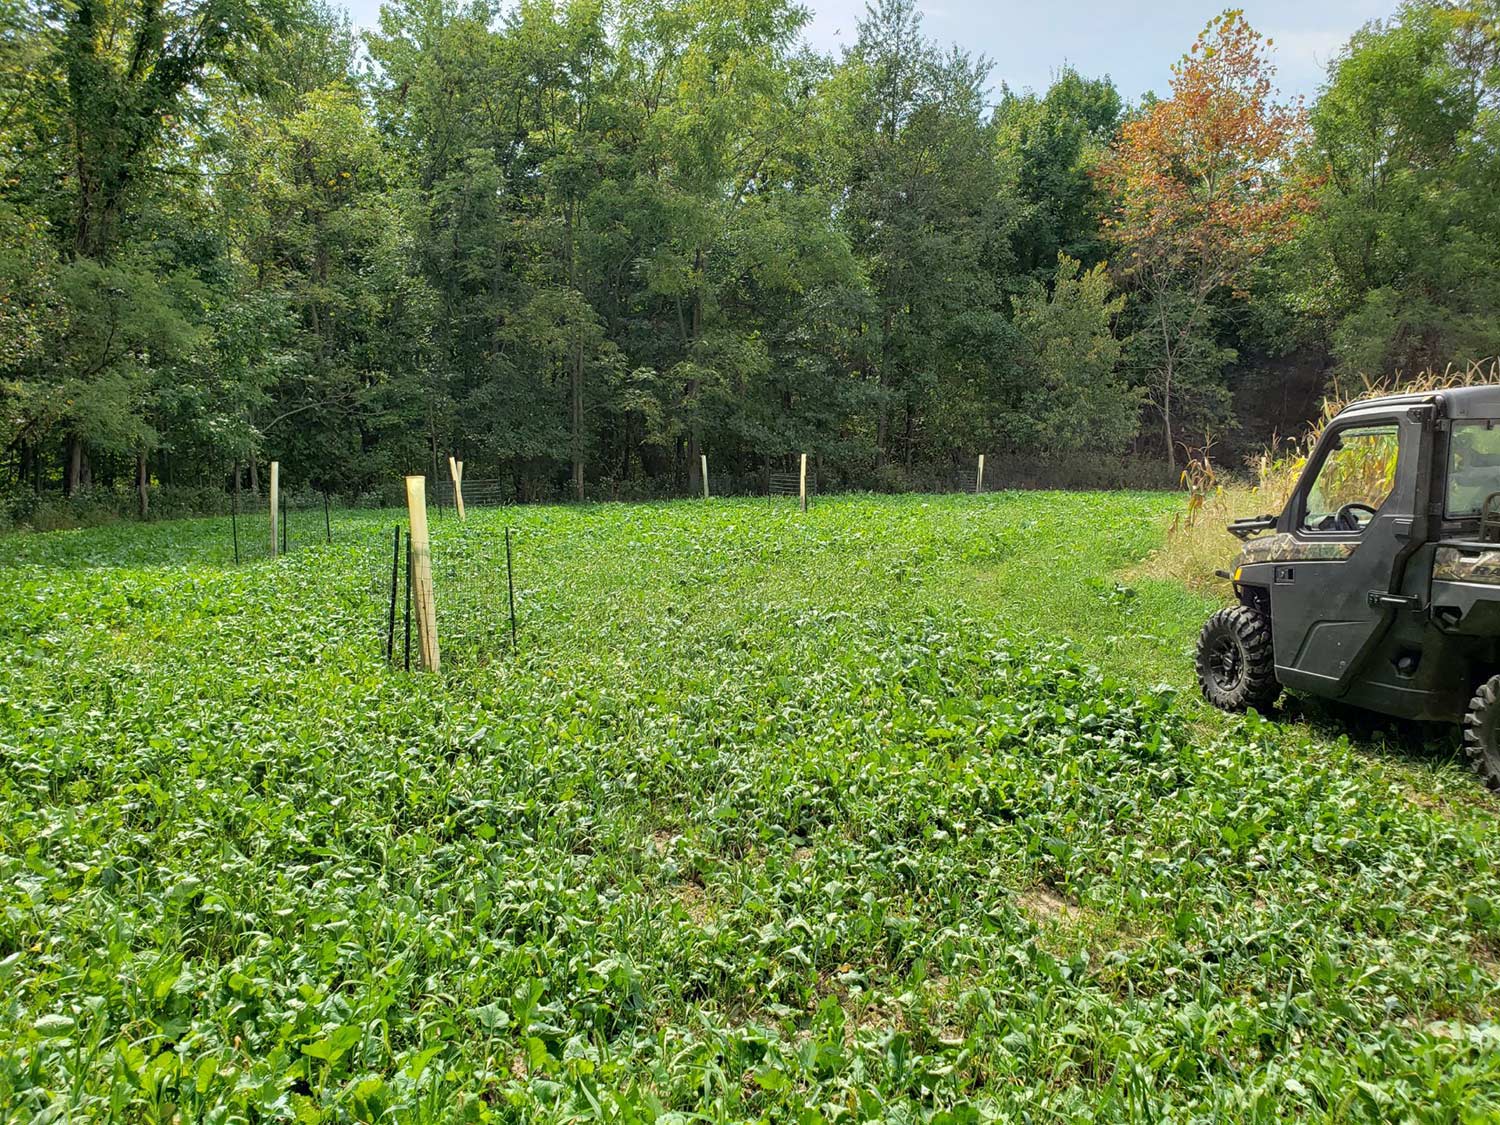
(303, 517)
(789, 484)
(473, 595)
(476, 494)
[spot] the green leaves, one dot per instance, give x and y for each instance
(491, 1017)
(750, 822)
(1078, 400)
(54, 1025)
(333, 1046)
(1406, 150)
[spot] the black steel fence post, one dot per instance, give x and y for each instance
(510, 583)
(390, 622)
(283, 523)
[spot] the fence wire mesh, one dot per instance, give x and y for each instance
(472, 596)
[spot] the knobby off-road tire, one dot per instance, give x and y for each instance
(1236, 667)
(1482, 732)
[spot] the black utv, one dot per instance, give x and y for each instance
(1379, 582)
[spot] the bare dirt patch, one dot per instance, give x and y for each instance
(694, 901)
(1487, 957)
(1043, 904)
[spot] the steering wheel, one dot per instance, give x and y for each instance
(1346, 520)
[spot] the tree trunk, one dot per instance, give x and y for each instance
(882, 417)
(254, 477)
(1166, 383)
(1166, 415)
(142, 481)
(575, 394)
(73, 473)
(694, 448)
(575, 374)
(694, 465)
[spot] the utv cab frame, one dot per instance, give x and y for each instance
(1379, 582)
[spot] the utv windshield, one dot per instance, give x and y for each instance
(1473, 466)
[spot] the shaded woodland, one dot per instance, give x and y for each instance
(578, 244)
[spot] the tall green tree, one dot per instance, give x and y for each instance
(133, 69)
(323, 234)
(1078, 398)
(131, 77)
(1397, 267)
(927, 211)
(1051, 146)
(719, 104)
(508, 130)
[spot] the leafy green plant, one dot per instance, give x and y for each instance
(861, 814)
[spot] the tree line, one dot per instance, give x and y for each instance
(579, 243)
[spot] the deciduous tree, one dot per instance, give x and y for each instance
(1202, 190)
(1078, 398)
(1397, 273)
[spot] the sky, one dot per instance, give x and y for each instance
(1134, 43)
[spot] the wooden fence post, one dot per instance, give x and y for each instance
(979, 479)
(704, 456)
(275, 507)
(802, 482)
(456, 470)
(421, 574)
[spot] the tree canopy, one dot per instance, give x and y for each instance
(580, 243)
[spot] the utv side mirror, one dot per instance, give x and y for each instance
(1245, 528)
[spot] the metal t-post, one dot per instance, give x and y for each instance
(390, 623)
(510, 582)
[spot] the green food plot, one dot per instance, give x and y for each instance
(822, 817)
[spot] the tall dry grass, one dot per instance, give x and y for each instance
(1197, 543)
(1196, 547)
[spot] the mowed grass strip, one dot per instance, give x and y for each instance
(902, 809)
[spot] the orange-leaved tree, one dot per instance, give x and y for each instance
(1203, 186)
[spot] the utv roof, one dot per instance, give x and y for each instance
(1455, 402)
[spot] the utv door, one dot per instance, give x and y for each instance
(1350, 521)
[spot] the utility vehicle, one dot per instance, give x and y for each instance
(1379, 582)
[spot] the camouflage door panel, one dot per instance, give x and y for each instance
(1453, 565)
(1288, 548)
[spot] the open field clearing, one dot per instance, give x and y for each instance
(872, 813)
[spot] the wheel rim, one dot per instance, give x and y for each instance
(1226, 660)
